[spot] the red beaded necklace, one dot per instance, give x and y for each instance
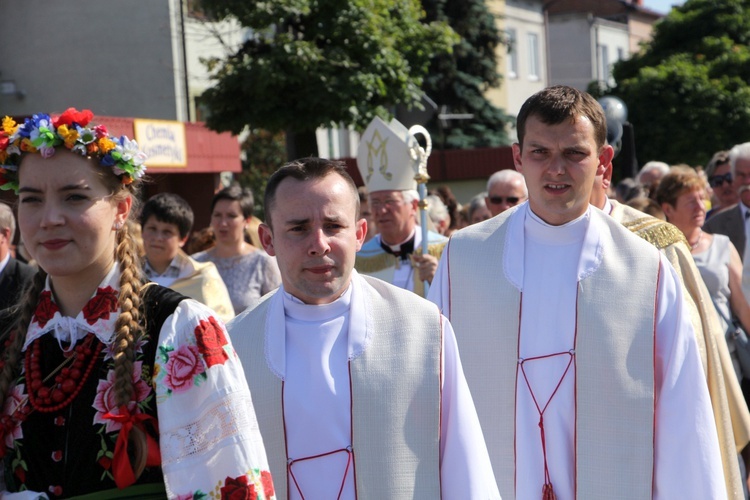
(68, 382)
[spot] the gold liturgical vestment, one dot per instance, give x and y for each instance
(729, 407)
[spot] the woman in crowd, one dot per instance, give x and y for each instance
(682, 197)
(248, 272)
(109, 387)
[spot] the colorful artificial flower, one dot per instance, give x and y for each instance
(9, 125)
(43, 134)
(8, 178)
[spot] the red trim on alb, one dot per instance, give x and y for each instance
(653, 364)
(350, 462)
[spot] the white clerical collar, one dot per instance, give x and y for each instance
(541, 232)
(296, 309)
(358, 334)
(608, 207)
(523, 223)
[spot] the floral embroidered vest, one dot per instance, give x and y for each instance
(69, 452)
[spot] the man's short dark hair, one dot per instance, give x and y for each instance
(554, 105)
(171, 209)
(306, 169)
(237, 193)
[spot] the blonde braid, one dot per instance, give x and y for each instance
(12, 359)
(128, 328)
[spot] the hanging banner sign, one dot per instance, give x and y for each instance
(163, 141)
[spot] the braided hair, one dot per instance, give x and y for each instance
(128, 327)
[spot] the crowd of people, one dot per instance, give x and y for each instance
(557, 336)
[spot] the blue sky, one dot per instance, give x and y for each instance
(662, 6)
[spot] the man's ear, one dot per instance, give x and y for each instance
(606, 155)
(415, 205)
(183, 241)
(517, 157)
(266, 239)
(361, 232)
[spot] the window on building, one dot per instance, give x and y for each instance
(534, 65)
(510, 34)
(195, 11)
(604, 69)
(201, 109)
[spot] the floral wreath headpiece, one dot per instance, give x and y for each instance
(43, 134)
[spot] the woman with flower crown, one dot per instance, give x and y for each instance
(110, 386)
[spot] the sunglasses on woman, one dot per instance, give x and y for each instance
(718, 180)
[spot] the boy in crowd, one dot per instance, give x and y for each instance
(166, 221)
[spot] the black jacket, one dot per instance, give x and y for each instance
(12, 280)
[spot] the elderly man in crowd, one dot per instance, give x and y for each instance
(650, 175)
(505, 189)
(734, 221)
(385, 160)
(13, 274)
(357, 384)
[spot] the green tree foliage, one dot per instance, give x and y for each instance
(687, 92)
(314, 63)
(461, 78)
(264, 153)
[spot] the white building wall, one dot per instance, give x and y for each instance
(113, 57)
(204, 40)
(612, 42)
(571, 51)
(580, 45)
(526, 19)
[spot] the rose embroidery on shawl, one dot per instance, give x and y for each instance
(105, 400)
(184, 364)
(238, 489)
(45, 309)
(100, 305)
(267, 482)
(11, 427)
(20, 473)
(198, 495)
(105, 462)
(211, 341)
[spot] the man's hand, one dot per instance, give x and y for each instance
(426, 265)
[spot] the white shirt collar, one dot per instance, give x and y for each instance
(523, 224)
(353, 298)
(96, 317)
(744, 211)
